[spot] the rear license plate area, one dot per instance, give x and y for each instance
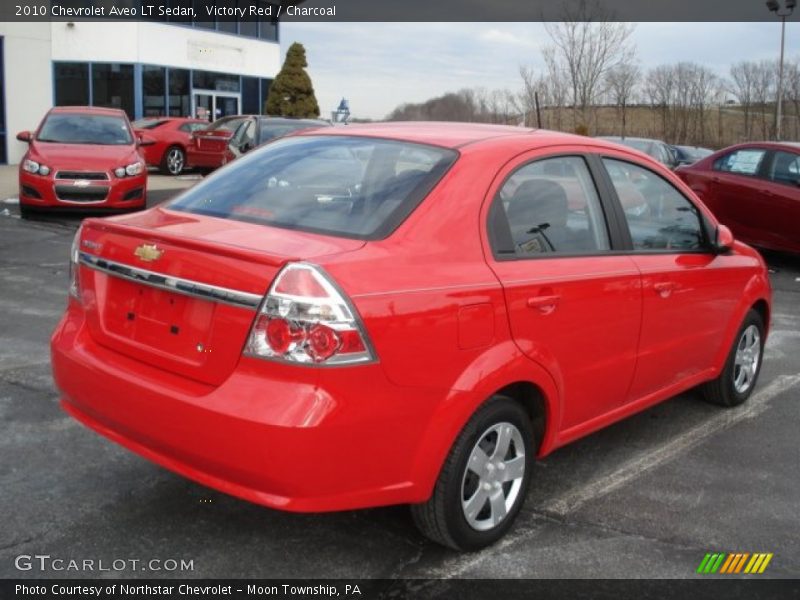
(168, 322)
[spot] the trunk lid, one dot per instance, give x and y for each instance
(215, 140)
(160, 286)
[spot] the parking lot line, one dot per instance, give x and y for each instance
(578, 496)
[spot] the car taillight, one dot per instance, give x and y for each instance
(74, 267)
(305, 318)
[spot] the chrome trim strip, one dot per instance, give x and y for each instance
(186, 287)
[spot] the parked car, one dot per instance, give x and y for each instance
(228, 138)
(82, 157)
(172, 136)
(661, 151)
(754, 189)
(417, 336)
(687, 155)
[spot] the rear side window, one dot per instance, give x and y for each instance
(743, 162)
(192, 127)
(226, 124)
(551, 206)
(785, 168)
(666, 220)
(148, 123)
(338, 185)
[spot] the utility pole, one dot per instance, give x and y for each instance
(775, 7)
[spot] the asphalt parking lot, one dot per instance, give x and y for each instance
(648, 497)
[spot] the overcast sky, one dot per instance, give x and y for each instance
(377, 66)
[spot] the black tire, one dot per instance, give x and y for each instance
(442, 518)
(167, 167)
(723, 390)
(24, 211)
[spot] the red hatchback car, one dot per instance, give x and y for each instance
(82, 157)
(755, 190)
(404, 313)
(171, 137)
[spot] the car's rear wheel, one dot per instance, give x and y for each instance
(484, 480)
(738, 378)
(174, 161)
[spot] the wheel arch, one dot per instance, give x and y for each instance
(756, 296)
(517, 377)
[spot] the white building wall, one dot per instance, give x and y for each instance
(166, 45)
(28, 80)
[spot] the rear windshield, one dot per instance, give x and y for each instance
(347, 186)
(148, 123)
(226, 124)
(271, 130)
(75, 128)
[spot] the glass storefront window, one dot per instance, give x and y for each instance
(250, 91)
(154, 91)
(71, 83)
(207, 80)
(179, 104)
(248, 28)
(112, 86)
(201, 15)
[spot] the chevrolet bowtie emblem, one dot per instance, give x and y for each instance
(148, 252)
(81, 183)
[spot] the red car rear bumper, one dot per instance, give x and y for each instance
(263, 435)
(205, 160)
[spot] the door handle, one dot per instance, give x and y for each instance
(715, 179)
(664, 288)
(545, 304)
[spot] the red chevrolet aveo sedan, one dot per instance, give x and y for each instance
(82, 157)
(404, 313)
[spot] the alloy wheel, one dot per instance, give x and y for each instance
(493, 476)
(748, 356)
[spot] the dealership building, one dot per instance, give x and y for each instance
(206, 68)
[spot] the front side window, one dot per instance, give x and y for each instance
(76, 128)
(552, 207)
(667, 220)
(785, 168)
(354, 187)
(743, 162)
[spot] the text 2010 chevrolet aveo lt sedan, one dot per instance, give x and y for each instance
(404, 313)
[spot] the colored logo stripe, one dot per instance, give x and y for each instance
(741, 562)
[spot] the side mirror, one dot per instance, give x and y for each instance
(724, 239)
(246, 147)
(25, 136)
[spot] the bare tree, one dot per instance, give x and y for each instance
(586, 43)
(791, 91)
(766, 77)
(621, 82)
(743, 84)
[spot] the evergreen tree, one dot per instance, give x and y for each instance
(292, 94)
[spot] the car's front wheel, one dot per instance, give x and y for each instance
(174, 161)
(484, 480)
(738, 378)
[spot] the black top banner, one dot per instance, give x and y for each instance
(391, 10)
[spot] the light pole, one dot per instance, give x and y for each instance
(774, 6)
